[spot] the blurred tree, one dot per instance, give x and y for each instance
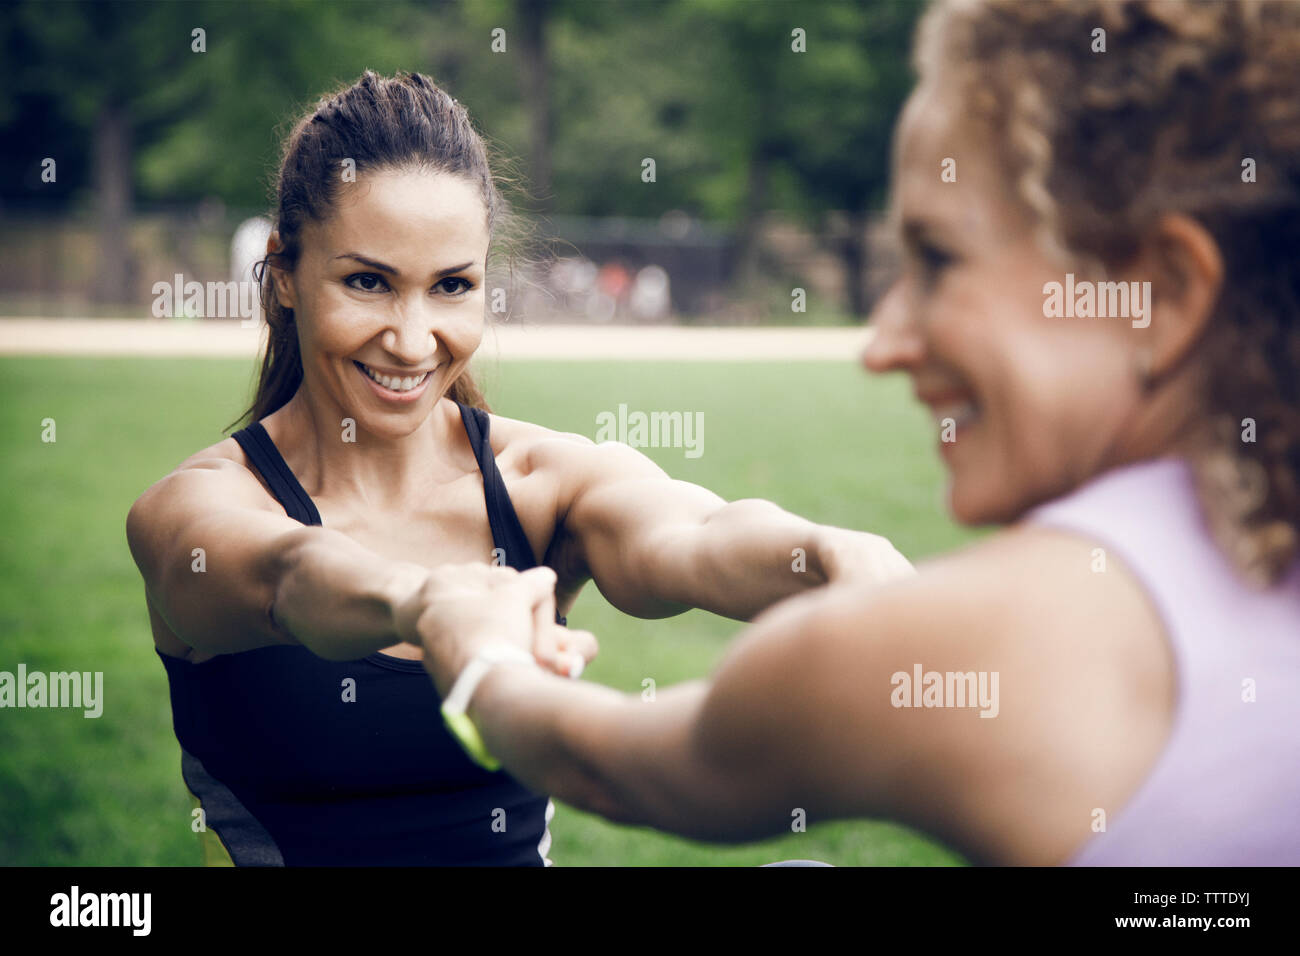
(815, 90)
(738, 122)
(147, 105)
(98, 67)
(856, 77)
(630, 83)
(534, 84)
(265, 64)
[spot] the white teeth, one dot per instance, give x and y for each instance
(394, 383)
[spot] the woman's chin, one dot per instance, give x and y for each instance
(959, 509)
(393, 424)
(972, 502)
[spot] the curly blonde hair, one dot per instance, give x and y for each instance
(1098, 145)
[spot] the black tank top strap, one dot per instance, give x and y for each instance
(507, 532)
(261, 451)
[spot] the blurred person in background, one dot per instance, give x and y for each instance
(247, 249)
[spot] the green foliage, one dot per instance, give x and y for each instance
(265, 64)
(705, 87)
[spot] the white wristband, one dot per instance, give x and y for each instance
(462, 691)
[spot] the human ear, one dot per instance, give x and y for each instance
(283, 279)
(1183, 263)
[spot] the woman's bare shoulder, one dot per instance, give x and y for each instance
(227, 457)
(515, 432)
(525, 447)
(226, 450)
(1077, 670)
(1027, 583)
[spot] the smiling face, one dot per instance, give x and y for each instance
(1037, 405)
(387, 296)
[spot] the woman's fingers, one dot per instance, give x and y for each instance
(894, 565)
(583, 645)
(854, 555)
(576, 649)
(555, 647)
(540, 585)
(476, 604)
(546, 646)
(563, 650)
(540, 581)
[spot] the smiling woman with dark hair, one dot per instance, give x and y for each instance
(309, 733)
(1133, 633)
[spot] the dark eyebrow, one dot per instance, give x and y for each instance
(377, 266)
(381, 267)
(442, 273)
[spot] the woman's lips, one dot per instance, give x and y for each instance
(390, 395)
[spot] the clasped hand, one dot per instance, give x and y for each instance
(461, 608)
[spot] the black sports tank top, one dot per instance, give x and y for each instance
(299, 761)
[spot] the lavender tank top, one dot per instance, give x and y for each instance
(1226, 788)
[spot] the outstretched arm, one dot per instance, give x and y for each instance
(267, 579)
(657, 547)
(820, 707)
(785, 726)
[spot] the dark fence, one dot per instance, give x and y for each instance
(572, 269)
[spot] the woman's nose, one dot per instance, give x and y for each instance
(894, 341)
(409, 347)
(412, 335)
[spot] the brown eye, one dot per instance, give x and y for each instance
(366, 282)
(458, 286)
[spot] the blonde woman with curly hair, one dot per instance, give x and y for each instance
(1113, 677)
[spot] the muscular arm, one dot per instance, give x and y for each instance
(802, 714)
(728, 759)
(264, 579)
(656, 547)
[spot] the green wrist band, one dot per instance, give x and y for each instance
(457, 703)
(467, 735)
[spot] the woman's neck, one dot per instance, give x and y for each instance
(334, 457)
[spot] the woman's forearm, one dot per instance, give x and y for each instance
(657, 547)
(631, 760)
(752, 554)
(338, 598)
(534, 723)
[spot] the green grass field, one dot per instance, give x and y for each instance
(820, 439)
